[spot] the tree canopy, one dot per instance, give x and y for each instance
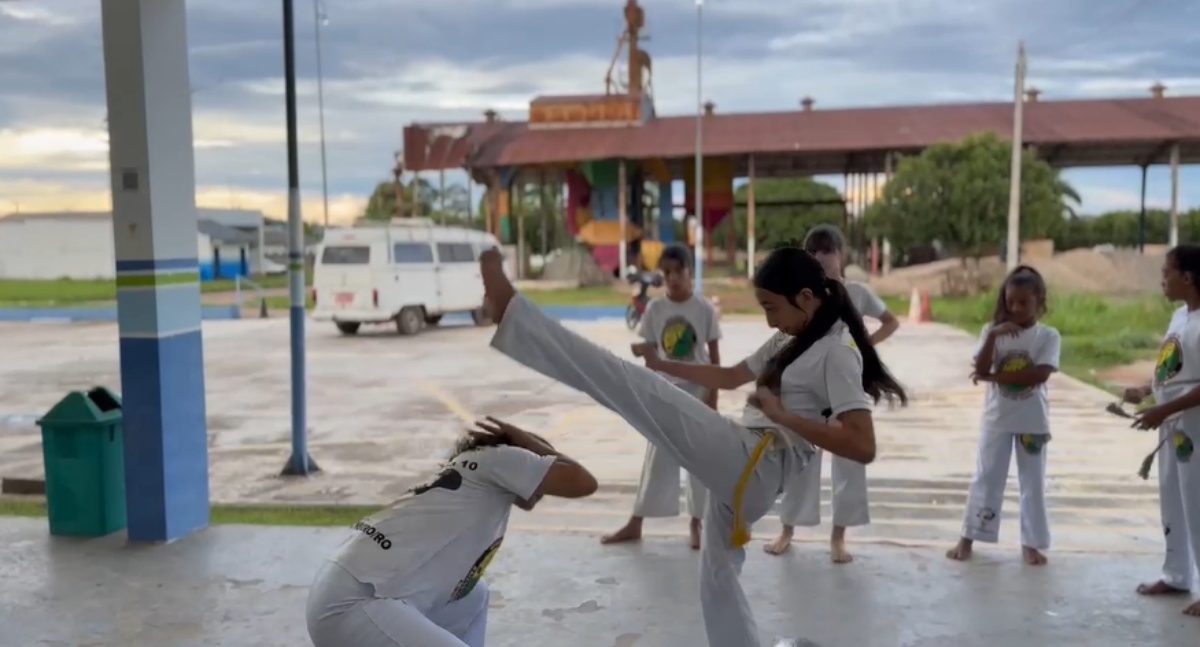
(775, 224)
(957, 193)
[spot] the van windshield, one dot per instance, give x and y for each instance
(347, 255)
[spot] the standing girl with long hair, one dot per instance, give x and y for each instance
(826, 375)
(1015, 357)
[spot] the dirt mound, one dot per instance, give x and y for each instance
(1117, 272)
(575, 264)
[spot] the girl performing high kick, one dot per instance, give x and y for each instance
(819, 388)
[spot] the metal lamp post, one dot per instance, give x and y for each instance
(321, 19)
(699, 188)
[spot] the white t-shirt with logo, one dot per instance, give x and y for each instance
(822, 384)
(1177, 371)
(1014, 409)
(681, 330)
(431, 547)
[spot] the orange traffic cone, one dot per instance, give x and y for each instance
(919, 310)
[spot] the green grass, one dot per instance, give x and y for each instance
(71, 292)
(35, 507)
(1097, 332)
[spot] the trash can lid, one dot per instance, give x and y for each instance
(77, 407)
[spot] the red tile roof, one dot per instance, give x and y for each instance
(1123, 127)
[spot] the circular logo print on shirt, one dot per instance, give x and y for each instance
(467, 584)
(679, 340)
(1170, 360)
(1015, 362)
(1033, 443)
(1183, 447)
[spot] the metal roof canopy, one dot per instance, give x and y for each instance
(1067, 134)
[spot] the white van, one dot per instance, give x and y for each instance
(408, 271)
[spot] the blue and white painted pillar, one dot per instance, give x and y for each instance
(158, 292)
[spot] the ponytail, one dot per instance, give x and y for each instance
(836, 305)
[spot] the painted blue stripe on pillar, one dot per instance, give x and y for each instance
(166, 442)
(158, 312)
(157, 264)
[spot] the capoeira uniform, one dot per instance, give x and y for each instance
(1015, 418)
(743, 469)
(801, 502)
(1177, 372)
(411, 576)
(681, 331)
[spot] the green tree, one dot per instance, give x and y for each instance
(957, 193)
(776, 224)
(381, 205)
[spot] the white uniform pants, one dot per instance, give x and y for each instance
(658, 492)
(1179, 496)
(343, 612)
(708, 445)
(801, 503)
(986, 496)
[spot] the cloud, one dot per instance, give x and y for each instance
(387, 64)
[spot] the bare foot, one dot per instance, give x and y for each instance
(498, 290)
(961, 551)
(1193, 610)
(1159, 588)
(694, 531)
(631, 531)
(1033, 556)
(781, 543)
(838, 553)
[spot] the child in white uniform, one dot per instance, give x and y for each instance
(801, 503)
(1176, 414)
(411, 575)
(1015, 357)
(827, 366)
(681, 326)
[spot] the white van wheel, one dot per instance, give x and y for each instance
(410, 320)
(348, 327)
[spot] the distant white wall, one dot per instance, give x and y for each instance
(54, 248)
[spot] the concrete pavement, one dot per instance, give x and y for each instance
(245, 587)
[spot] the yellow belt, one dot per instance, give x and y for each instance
(741, 535)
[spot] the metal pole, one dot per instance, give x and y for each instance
(622, 217)
(1142, 214)
(442, 195)
(751, 235)
(1014, 190)
(699, 189)
(1173, 238)
(319, 18)
(300, 464)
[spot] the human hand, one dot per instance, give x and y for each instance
(1006, 329)
(976, 378)
(765, 400)
(1152, 418)
(642, 349)
(505, 432)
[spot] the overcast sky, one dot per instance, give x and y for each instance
(390, 62)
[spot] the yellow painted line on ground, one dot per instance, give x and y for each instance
(433, 390)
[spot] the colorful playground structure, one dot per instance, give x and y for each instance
(621, 165)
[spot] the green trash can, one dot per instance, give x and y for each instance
(84, 455)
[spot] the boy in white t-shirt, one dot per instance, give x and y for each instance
(411, 575)
(680, 326)
(1176, 414)
(1015, 357)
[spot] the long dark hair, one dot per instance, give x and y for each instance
(470, 442)
(789, 270)
(1022, 276)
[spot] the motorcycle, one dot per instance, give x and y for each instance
(639, 298)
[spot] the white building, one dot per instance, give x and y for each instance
(79, 245)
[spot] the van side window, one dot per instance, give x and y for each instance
(456, 253)
(404, 253)
(346, 255)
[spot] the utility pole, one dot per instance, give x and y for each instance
(699, 188)
(320, 19)
(1014, 191)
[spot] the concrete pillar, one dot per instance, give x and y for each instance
(1173, 234)
(622, 216)
(158, 293)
